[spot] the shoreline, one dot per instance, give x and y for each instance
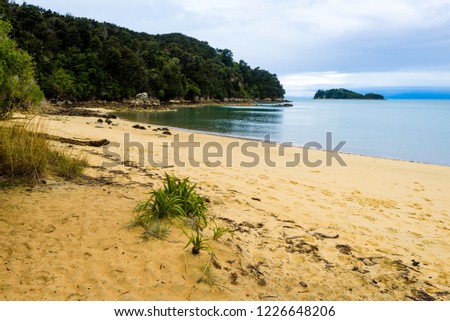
(374, 230)
(260, 140)
(136, 105)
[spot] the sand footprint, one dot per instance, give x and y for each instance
(418, 187)
(328, 193)
(416, 206)
(40, 278)
(370, 218)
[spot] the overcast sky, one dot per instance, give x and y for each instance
(309, 44)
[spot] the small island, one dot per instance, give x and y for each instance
(342, 93)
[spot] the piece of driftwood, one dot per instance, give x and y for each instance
(94, 143)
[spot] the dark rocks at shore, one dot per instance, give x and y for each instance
(68, 108)
(163, 130)
(74, 112)
(137, 126)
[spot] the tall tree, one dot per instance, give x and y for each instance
(18, 88)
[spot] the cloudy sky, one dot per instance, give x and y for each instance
(386, 45)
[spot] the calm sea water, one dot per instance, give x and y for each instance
(414, 130)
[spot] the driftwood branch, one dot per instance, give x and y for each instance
(94, 143)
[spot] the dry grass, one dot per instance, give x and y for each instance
(25, 154)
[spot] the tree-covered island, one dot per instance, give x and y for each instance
(342, 93)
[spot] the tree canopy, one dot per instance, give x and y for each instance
(18, 88)
(82, 59)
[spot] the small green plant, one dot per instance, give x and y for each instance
(198, 242)
(192, 204)
(208, 275)
(219, 231)
(176, 199)
(156, 231)
(159, 205)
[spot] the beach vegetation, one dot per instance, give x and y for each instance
(219, 231)
(67, 165)
(177, 198)
(197, 240)
(26, 155)
(179, 204)
(208, 276)
(156, 230)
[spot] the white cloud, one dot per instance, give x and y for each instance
(296, 36)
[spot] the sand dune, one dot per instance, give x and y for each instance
(376, 229)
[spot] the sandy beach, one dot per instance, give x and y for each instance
(376, 229)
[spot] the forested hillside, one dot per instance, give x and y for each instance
(82, 59)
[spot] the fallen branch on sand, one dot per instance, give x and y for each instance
(94, 143)
(319, 235)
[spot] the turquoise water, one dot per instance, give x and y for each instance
(414, 130)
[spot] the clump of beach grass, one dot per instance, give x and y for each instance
(66, 165)
(177, 203)
(26, 155)
(177, 198)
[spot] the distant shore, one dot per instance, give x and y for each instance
(137, 105)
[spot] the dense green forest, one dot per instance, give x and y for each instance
(82, 59)
(342, 93)
(17, 85)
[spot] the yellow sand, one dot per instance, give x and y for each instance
(69, 241)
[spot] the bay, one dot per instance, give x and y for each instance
(412, 130)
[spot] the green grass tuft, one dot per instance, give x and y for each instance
(198, 242)
(179, 203)
(67, 166)
(219, 231)
(176, 199)
(26, 155)
(23, 152)
(156, 231)
(208, 276)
